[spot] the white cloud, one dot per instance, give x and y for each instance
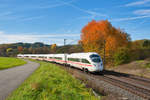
(1, 32)
(50, 38)
(86, 17)
(92, 13)
(142, 12)
(8, 16)
(32, 18)
(6, 38)
(55, 5)
(13, 16)
(3, 14)
(140, 2)
(45, 5)
(131, 18)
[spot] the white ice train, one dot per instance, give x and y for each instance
(89, 61)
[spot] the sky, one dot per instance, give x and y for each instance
(52, 21)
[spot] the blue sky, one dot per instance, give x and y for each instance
(50, 21)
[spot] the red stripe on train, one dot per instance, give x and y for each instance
(70, 62)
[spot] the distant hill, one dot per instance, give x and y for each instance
(142, 43)
(35, 48)
(29, 45)
(16, 48)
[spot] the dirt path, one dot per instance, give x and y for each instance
(11, 78)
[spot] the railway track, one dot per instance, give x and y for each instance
(138, 78)
(139, 86)
(135, 84)
(136, 89)
(147, 80)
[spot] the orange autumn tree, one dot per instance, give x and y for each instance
(20, 48)
(53, 48)
(94, 34)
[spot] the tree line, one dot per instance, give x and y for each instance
(36, 48)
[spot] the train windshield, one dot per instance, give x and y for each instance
(95, 58)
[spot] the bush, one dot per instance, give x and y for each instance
(121, 56)
(147, 65)
(139, 54)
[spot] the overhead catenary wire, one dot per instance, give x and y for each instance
(74, 40)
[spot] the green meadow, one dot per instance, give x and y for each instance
(7, 62)
(49, 82)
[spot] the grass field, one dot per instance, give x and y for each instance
(49, 82)
(7, 62)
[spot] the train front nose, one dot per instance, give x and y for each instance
(99, 66)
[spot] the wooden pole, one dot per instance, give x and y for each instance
(104, 54)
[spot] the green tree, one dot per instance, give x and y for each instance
(122, 56)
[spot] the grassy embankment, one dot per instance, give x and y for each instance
(7, 62)
(49, 82)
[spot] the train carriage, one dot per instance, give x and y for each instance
(59, 58)
(49, 57)
(86, 61)
(89, 61)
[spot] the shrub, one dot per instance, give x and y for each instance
(139, 54)
(121, 56)
(147, 65)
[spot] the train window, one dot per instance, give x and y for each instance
(94, 55)
(50, 57)
(70, 59)
(74, 59)
(96, 59)
(85, 61)
(41, 57)
(59, 58)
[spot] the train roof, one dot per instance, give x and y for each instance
(84, 53)
(81, 55)
(38, 54)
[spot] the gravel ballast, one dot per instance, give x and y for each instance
(112, 92)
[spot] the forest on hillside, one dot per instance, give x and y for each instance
(11, 50)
